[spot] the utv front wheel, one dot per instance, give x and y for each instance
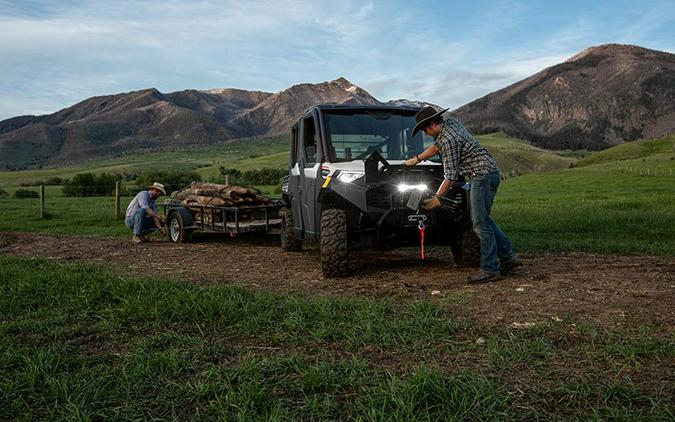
(334, 251)
(466, 248)
(289, 241)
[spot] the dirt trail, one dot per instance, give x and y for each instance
(611, 290)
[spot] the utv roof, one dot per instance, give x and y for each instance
(363, 107)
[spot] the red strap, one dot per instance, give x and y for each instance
(422, 243)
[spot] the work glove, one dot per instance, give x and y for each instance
(431, 203)
(412, 161)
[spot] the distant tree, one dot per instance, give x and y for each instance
(172, 179)
(53, 181)
(263, 176)
(26, 193)
(236, 173)
(88, 184)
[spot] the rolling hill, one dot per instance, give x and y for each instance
(601, 97)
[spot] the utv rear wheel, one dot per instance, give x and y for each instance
(334, 251)
(289, 241)
(466, 248)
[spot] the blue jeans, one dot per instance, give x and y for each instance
(140, 223)
(493, 241)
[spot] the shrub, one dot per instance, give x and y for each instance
(88, 184)
(172, 180)
(263, 176)
(26, 193)
(230, 172)
(54, 181)
(3, 193)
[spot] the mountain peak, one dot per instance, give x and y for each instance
(342, 81)
(613, 49)
(603, 96)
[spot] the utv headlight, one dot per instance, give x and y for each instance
(404, 187)
(349, 176)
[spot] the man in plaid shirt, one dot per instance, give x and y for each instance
(463, 156)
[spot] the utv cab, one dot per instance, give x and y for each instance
(348, 187)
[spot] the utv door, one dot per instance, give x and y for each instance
(309, 168)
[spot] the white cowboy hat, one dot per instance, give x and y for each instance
(159, 187)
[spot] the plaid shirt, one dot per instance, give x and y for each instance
(461, 152)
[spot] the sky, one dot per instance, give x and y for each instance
(54, 54)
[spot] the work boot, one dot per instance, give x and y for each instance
(137, 239)
(510, 265)
(483, 277)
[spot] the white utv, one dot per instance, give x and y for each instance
(349, 189)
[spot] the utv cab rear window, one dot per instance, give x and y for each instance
(356, 135)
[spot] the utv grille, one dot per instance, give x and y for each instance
(378, 198)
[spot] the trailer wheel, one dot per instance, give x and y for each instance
(466, 248)
(179, 219)
(334, 250)
(289, 242)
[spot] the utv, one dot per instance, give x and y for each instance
(349, 189)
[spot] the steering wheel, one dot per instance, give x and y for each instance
(371, 149)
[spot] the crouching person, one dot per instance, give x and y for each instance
(142, 215)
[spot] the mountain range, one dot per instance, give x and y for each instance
(601, 97)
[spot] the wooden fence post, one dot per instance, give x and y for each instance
(117, 200)
(227, 179)
(42, 201)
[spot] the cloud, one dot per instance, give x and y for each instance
(63, 52)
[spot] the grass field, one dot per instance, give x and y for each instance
(589, 210)
(582, 209)
(515, 157)
(654, 150)
(204, 160)
(79, 343)
(605, 204)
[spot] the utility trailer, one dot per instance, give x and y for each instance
(184, 220)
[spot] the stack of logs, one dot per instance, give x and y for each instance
(198, 194)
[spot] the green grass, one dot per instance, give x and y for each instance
(204, 160)
(77, 342)
(610, 206)
(578, 209)
(587, 210)
(516, 157)
(662, 149)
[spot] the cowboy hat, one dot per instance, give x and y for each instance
(424, 116)
(159, 187)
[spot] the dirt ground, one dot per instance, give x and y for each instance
(610, 290)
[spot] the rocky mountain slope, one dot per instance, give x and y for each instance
(601, 97)
(148, 119)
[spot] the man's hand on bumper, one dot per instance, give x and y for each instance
(412, 161)
(431, 203)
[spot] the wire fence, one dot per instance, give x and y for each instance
(115, 194)
(638, 171)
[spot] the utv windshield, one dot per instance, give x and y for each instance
(354, 135)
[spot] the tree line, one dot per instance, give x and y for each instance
(103, 184)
